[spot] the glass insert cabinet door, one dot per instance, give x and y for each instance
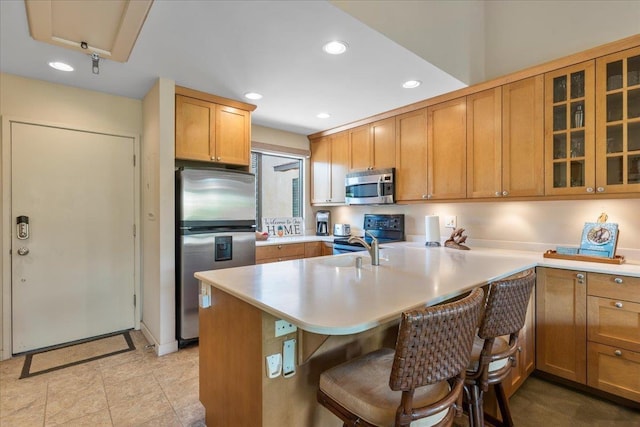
(570, 130)
(618, 122)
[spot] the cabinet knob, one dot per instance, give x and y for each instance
(429, 196)
(600, 189)
(424, 196)
(580, 276)
(213, 157)
(618, 353)
(519, 349)
(589, 189)
(219, 158)
(618, 280)
(498, 194)
(505, 193)
(279, 246)
(618, 304)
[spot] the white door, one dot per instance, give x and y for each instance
(77, 279)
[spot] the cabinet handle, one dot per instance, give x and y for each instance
(618, 304)
(580, 276)
(279, 246)
(618, 280)
(519, 349)
(600, 189)
(497, 194)
(505, 193)
(617, 353)
(424, 196)
(429, 196)
(589, 189)
(213, 157)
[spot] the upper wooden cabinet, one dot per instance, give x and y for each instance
(373, 146)
(329, 163)
(212, 132)
(505, 140)
(446, 150)
(484, 143)
(570, 130)
(411, 156)
(618, 122)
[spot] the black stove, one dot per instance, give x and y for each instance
(386, 228)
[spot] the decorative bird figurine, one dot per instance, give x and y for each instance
(456, 240)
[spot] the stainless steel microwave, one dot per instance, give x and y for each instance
(372, 187)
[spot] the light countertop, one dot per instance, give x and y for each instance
(328, 295)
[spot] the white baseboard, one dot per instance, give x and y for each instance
(160, 349)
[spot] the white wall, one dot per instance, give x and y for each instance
(158, 247)
(41, 101)
(524, 33)
(534, 225)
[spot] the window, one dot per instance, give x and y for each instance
(278, 186)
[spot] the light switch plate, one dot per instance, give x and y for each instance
(283, 328)
(289, 358)
(274, 365)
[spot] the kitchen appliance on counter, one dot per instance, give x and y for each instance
(341, 230)
(384, 227)
(215, 228)
(323, 223)
(372, 187)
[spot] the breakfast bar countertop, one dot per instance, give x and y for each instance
(329, 295)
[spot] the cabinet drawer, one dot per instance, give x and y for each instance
(284, 258)
(614, 322)
(613, 286)
(312, 249)
(295, 250)
(614, 370)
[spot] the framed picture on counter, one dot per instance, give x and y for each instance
(599, 239)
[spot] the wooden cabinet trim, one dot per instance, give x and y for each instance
(192, 93)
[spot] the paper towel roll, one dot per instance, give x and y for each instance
(432, 229)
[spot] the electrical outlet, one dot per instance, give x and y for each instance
(450, 221)
(283, 328)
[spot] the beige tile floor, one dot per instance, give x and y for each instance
(139, 389)
(136, 388)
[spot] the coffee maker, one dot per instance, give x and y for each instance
(323, 223)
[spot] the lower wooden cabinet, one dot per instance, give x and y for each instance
(588, 329)
(613, 313)
(614, 370)
(526, 355)
(561, 327)
(289, 251)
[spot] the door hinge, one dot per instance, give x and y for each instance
(134, 300)
(134, 230)
(134, 160)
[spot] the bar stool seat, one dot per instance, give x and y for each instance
(361, 385)
(500, 346)
(420, 383)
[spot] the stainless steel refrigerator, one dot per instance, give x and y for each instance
(215, 228)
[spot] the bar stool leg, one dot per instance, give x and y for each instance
(476, 410)
(503, 403)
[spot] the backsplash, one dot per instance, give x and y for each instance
(526, 225)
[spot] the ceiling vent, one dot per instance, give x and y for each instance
(106, 27)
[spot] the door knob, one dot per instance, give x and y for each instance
(23, 251)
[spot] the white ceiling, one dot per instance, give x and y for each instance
(228, 48)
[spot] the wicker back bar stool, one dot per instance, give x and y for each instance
(423, 379)
(496, 343)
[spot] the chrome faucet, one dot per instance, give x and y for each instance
(373, 248)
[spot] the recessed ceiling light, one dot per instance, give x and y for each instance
(252, 95)
(410, 84)
(335, 47)
(323, 115)
(61, 66)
